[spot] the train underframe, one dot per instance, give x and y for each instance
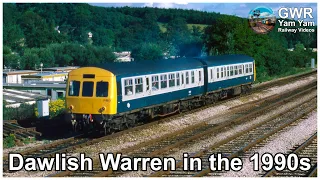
(112, 123)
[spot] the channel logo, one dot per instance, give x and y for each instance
(262, 20)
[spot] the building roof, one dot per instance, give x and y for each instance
(39, 75)
(67, 68)
(152, 66)
(225, 59)
(13, 72)
(34, 85)
(14, 96)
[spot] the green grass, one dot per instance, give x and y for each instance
(163, 28)
(293, 71)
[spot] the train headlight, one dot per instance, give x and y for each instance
(103, 108)
(71, 107)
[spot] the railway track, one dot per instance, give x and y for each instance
(21, 133)
(242, 142)
(72, 143)
(164, 145)
(306, 149)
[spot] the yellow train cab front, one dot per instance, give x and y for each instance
(91, 90)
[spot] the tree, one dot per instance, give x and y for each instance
(147, 51)
(29, 60)
(103, 37)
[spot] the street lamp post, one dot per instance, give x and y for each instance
(41, 65)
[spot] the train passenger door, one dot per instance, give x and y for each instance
(148, 86)
(183, 84)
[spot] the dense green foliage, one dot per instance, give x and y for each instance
(57, 35)
(9, 141)
(231, 35)
(25, 111)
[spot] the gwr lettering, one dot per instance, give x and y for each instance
(283, 12)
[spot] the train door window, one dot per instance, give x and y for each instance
(87, 89)
(192, 77)
(250, 68)
(240, 69)
(221, 69)
(199, 76)
(128, 87)
(102, 89)
(138, 85)
(171, 80)
(74, 88)
(218, 73)
(182, 78)
(211, 73)
(231, 71)
(247, 69)
(235, 70)
(147, 82)
(163, 79)
(187, 77)
(178, 79)
(155, 83)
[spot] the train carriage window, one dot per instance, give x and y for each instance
(178, 79)
(155, 83)
(228, 71)
(250, 68)
(87, 89)
(187, 77)
(128, 87)
(192, 77)
(74, 88)
(225, 71)
(102, 89)
(221, 72)
(182, 78)
(171, 80)
(163, 79)
(211, 73)
(240, 69)
(231, 70)
(218, 73)
(139, 85)
(199, 76)
(247, 69)
(235, 70)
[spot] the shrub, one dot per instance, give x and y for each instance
(56, 107)
(9, 141)
(24, 111)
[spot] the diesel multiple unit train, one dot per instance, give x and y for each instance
(114, 96)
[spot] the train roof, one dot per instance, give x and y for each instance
(226, 59)
(152, 66)
(168, 65)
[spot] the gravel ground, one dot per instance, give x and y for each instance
(282, 143)
(203, 144)
(24, 147)
(159, 130)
